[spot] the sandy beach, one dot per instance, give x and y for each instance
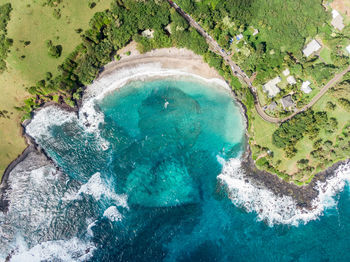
(169, 58)
(156, 64)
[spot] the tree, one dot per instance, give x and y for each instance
(330, 105)
(53, 50)
(5, 42)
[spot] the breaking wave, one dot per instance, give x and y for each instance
(274, 209)
(112, 214)
(47, 117)
(97, 188)
(42, 223)
(71, 250)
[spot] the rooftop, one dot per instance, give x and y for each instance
(271, 87)
(337, 21)
(272, 106)
(286, 72)
(305, 87)
(291, 80)
(348, 49)
(287, 102)
(148, 33)
(312, 47)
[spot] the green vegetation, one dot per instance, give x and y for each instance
(310, 142)
(345, 103)
(279, 39)
(5, 42)
(53, 50)
(264, 42)
(31, 24)
(110, 31)
(295, 150)
(35, 77)
(325, 55)
(268, 43)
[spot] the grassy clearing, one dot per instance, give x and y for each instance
(31, 21)
(36, 23)
(325, 54)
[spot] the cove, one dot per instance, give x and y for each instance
(160, 148)
(146, 185)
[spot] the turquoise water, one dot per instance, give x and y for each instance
(165, 144)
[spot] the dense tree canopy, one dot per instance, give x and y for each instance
(5, 42)
(283, 28)
(283, 24)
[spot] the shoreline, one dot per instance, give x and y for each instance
(177, 63)
(303, 195)
(157, 64)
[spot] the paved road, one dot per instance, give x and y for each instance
(324, 89)
(238, 72)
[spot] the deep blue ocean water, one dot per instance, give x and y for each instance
(165, 142)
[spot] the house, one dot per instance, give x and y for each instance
(287, 102)
(239, 37)
(337, 21)
(348, 49)
(148, 33)
(312, 47)
(286, 72)
(291, 80)
(168, 28)
(256, 31)
(305, 87)
(271, 87)
(272, 106)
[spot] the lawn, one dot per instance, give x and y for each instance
(31, 21)
(325, 55)
(262, 132)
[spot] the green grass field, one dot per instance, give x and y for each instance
(325, 55)
(31, 21)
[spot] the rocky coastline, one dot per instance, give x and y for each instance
(303, 195)
(32, 147)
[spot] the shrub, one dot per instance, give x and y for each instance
(53, 50)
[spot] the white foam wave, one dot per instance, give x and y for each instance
(97, 188)
(46, 118)
(89, 228)
(59, 250)
(49, 116)
(274, 209)
(113, 214)
(220, 160)
(166, 104)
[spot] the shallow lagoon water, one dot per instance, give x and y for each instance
(145, 187)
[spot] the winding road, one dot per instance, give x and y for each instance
(238, 72)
